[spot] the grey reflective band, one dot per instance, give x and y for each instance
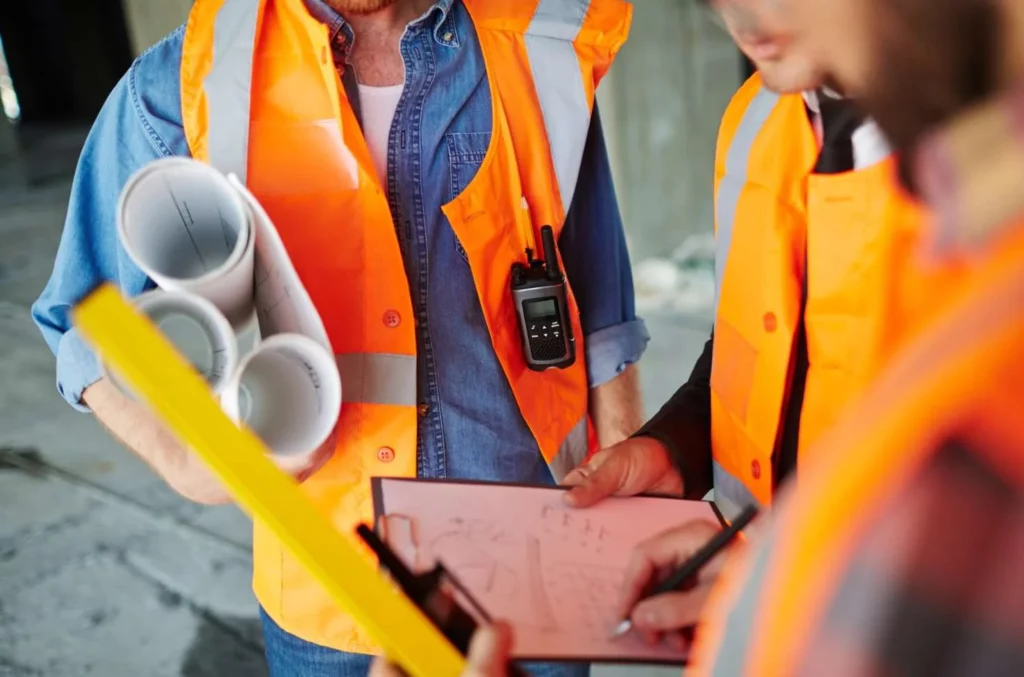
(378, 378)
(228, 85)
(731, 495)
(571, 453)
(731, 185)
(738, 633)
(559, 83)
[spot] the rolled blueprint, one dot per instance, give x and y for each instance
(197, 329)
(186, 227)
(283, 305)
(288, 392)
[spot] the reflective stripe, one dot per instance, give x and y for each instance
(731, 495)
(738, 634)
(731, 185)
(572, 452)
(228, 85)
(559, 81)
(378, 378)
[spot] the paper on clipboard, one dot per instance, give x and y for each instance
(554, 573)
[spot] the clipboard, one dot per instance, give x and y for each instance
(552, 572)
(140, 355)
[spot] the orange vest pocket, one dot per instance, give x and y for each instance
(732, 378)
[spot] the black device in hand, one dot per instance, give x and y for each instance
(435, 594)
(685, 576)
(542, 306)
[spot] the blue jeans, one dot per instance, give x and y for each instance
(289, 656)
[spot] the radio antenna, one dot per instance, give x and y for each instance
(547, 236)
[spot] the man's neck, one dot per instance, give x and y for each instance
(375, 53)
(389, 20)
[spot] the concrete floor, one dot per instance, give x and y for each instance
(103, 570)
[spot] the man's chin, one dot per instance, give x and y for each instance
(784, 78)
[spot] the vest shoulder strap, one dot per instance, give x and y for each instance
(595, 23)
(216, 77)
(564, 47)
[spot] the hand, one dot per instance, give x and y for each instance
(488, 655)
(669, 617)
(635, 466)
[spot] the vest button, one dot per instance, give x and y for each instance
(755, 469)
(770, 323)
(392, 319)
(385, 454)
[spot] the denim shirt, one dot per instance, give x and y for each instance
(470, 425)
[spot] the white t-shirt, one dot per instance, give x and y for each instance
(378, 106)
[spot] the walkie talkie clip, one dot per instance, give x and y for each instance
(542, 307)
(436, 593)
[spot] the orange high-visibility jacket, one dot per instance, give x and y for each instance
(856, 229)
(261, 98)
(957, 378)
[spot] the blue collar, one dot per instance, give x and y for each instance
(340, 33)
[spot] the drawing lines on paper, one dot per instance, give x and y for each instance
(183, 211)
(272, 297)
(575, 528)
(223, 229)
(584, 596)
(464, 550)
(548, 594)
(538, 591)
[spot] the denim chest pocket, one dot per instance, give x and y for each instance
(466, 152)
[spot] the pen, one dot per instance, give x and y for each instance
(693, 565)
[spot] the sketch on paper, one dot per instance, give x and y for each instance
(557, 596)
(554, 573)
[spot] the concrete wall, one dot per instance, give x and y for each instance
(150, 20)
(661, 106)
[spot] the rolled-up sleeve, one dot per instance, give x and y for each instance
(593, 248)
(133, 128)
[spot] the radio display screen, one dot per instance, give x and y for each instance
(541, 309)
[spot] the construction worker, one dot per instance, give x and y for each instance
(900, 549)
(469, 124)
(811, 231)
(900, 552)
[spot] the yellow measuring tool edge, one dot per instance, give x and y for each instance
(138, 352)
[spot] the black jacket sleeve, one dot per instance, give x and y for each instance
(683, 425)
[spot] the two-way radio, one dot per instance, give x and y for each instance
(542, 306)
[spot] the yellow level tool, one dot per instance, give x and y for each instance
(140, 355)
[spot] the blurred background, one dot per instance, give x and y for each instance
(103, 570)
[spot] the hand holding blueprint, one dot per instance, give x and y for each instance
(202, 236)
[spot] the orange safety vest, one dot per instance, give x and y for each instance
(261, 98)
(857, 228)
(959, 375)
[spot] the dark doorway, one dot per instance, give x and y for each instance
(64, 56)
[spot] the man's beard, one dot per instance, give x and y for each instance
(359, 6)
(934, 59)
